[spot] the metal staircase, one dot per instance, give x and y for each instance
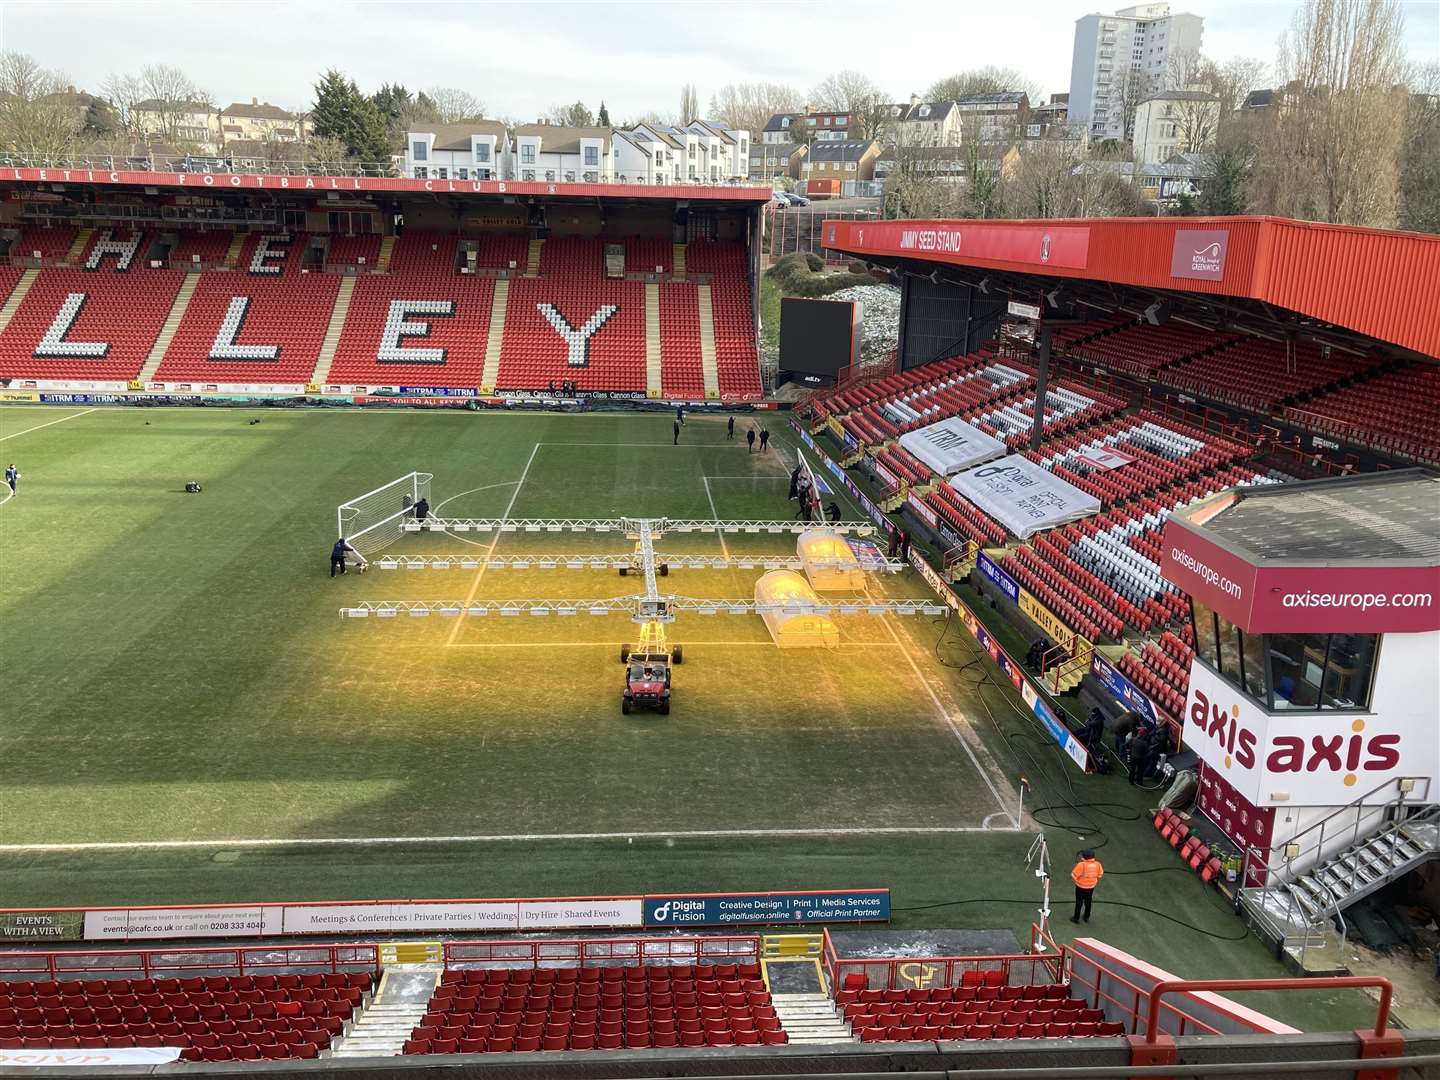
(1359, 848)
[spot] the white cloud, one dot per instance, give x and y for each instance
(521, 57)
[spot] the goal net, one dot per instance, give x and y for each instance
(372, 522)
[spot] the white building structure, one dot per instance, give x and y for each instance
(471, 151)
(1122, 58)
(1175, 122)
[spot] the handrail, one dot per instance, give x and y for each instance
(1328, 982)
(1354, 804)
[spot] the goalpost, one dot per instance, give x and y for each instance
(371, 522)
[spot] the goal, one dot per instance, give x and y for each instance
(371, 522)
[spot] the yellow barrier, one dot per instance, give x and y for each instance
(791, 945)
(411, 952)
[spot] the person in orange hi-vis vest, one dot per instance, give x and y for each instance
(1086, 875)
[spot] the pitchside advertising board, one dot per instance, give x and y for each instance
(737, 909)
(1367, 599)
(1304, 758)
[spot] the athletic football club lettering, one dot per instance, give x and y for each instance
(578, 341)
(56, 344)
(399, 325)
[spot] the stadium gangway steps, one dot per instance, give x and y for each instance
(627, 605)
(627, 561)
(628, 525)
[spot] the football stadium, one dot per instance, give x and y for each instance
(432, 638)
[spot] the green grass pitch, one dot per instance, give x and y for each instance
(174, 673)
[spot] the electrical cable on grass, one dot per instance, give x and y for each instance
(1108, 903)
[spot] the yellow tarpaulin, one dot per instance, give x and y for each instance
(794, 630)
(829, 563)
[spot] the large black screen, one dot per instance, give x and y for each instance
(818, 339)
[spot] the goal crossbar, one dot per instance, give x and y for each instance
(371, 522)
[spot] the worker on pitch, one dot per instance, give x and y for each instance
(1086, 874)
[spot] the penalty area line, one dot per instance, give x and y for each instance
(37, 427)
(480, 573)
(493, 838)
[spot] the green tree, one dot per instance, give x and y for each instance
(1224, 190)
(602, 119)
(576, 115)
(341, 112)
(101, 121)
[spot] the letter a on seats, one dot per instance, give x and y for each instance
(578, 341)
(53, 344)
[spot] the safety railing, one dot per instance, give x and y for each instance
(1157, 993)
(603, 952)
(161, 963)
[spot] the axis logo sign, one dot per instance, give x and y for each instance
(1309, 759)
(1199, 254)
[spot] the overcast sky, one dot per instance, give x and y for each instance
(521, 57)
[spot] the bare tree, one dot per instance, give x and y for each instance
(454, 106)
(1332, 150)
(576, 115)
(855, 93)
(124, 93)
(689, 104)
(747, 106)
(1131, 88)
(1420, 156)
(159, 102)
(38, 115)
(984, 80)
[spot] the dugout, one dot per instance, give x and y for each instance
(794, 629)
(829, 563)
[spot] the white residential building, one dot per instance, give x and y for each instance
(1175, 122)
(471, 151)
(1122, 58)
(547, 152)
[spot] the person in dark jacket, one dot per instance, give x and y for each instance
(764, 439)
(795, 480)
(1094, 734)
(422, 509)
(833, 511)
(680, 415)
(750, 439)
(1123, 729)
(337, 556)
(677, 434)
(1140, 758)
(730, 429)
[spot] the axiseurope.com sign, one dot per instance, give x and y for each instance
(735, 909)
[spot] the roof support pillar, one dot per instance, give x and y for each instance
(1041, 379)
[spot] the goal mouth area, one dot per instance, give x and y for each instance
(371, 522)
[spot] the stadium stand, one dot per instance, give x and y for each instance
(503, 251)
(51, 241)
(1142, 349)
(263, 322)
(1396, 412)
(437, 338)
(503, 1011)
(351, 250)
(97, 320)
(533, 354)
(211, 246)
(1257, 374)
(212, 1018)
(681, 369)
(736, 357)
(982, 1007)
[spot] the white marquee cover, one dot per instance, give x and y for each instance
(951, 445)
(1023, 496)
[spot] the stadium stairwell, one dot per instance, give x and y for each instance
(387, 247)
(333, 331)
(532, 260)
(387, 1020)
(652, 340)
(707, 339)
(172, 323)
(807, 1011)
(677, 261)
(17, 297)
(237, 244)
(77, 249)
(498, 305)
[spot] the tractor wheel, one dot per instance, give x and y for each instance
(665, 707)
(624, 653)
(624, 570)
(664, 569)
(625, 705)
(677, 655)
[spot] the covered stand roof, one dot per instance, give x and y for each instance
(1231, 271)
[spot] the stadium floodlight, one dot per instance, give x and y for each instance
(548, 564)
(574, 564)
(875, 609)
(709, 609)
(520, 564)
(494, 564)
(414, 564)
(565, 611)
(539, 611)
(849, 609)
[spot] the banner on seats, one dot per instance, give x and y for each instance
(1023, 496)
(951, 445)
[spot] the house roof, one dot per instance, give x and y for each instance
(840, 150)
(761, 151)
(777, 122)
(724, 132)
(997, 97)
(563, 140)
(156, 105)
(461, 136)
(262, 111)
(1258, 99)
(932, 110)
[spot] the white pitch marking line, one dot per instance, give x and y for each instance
(475, 585)
(37, 427)
(361, 841)
(471, 491)
(715, 516)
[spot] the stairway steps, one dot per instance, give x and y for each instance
(677, 262)
(532, 259)
(168, 330)
(237, 244)
(708, 366)
(17, 296)
(382, 261)
(77, 249)
(336, 327)
(653, 380)
(499, 304)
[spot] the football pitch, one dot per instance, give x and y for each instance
(185, 718)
